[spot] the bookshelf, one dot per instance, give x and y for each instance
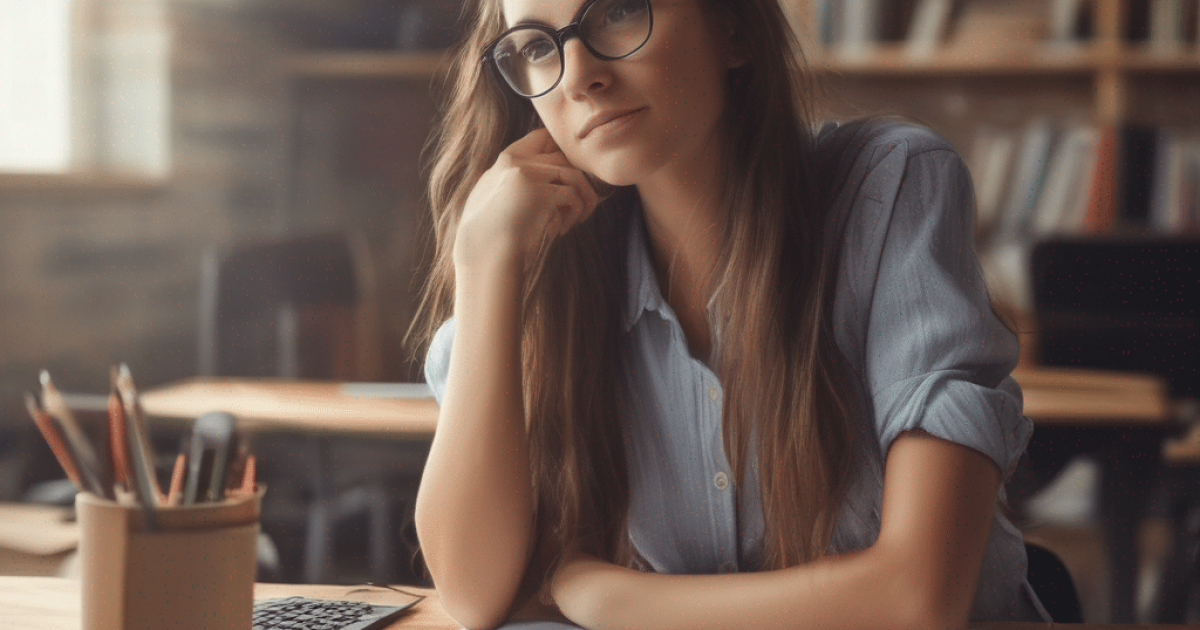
(1116, 78)
(991, 67)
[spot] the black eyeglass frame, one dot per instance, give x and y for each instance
(560, 38)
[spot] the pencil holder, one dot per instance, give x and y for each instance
(192, 569)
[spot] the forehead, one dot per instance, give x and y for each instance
(553, 12)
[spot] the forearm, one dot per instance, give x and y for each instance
(474, 507)
(860, 590)
(853, 591)
(921, 572)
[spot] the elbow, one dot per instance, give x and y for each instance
(466, 594)
(471, 614)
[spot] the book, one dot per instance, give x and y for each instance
(1073, 159)
(991, 162)
(858, 28)
(1189, 194)
(822, 19)
(1136, 25)
(1166, 27)
(1066, 21)
(1136, 170)
(1101, 209)
(895, 19)
(998, 24)
(1032, 156)
(1168, 174)
(927, 30)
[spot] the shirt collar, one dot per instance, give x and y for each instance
(643, 293)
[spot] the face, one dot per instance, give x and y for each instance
(668, 96)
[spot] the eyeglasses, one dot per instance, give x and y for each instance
(530, 56)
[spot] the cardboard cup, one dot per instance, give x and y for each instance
(195, 570)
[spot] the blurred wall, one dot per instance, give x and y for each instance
(92, 278)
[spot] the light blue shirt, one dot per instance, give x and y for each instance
(910, 315)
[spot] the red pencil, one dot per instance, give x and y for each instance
(175, 493)
(248, 478)
(116, 438)
(55, 439)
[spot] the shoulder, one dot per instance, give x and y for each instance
(437, 359)
(873, 168)
(848, 154)
(863, 141)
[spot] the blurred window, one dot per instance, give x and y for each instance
(85, 87)
(35, 78)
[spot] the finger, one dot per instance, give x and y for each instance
(569, 208)
(565, 176)
(557, 158)
(536, 142)
(571, 176)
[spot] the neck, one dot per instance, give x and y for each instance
(683, 212)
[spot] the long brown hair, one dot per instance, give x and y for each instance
(776, 363)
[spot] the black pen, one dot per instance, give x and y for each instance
(211, 452)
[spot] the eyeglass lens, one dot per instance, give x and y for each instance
(531, 60)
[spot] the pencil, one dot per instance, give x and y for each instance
(175, 493)
(91, 470)
(55, 440)
(140, 452)
(248, 474)
(117, 444)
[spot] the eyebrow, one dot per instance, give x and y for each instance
(528, 21)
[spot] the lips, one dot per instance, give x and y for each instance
(604, 118)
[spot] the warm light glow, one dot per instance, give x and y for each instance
(35, 77)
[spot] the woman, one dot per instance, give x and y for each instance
(760, 385)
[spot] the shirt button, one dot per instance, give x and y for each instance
(721, 481)
(728, 567)
(712, 393)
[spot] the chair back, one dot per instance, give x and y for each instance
(1121, 304)
(285, 308)
(1052, 582)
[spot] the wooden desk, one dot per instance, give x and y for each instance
(1052, 396)
(1121, 419)
(48, 603)
(43, 603)
(1123, 416)
(1069, 396)
(322, 410)
(311, 406)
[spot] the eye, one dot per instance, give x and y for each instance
(537, 50)
(622, 10)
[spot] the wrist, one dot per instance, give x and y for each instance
(594, 593)
(482, 248)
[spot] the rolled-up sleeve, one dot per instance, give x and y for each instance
(936, 357)
(437, 359)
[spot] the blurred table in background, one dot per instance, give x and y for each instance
(1122, 420)
(390, 410)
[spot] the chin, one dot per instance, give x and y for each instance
(619, 171)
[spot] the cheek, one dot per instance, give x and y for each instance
(555, 124)
(688, 76)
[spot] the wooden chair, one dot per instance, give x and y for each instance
(1129, 304)
(301, 307)
(1052, 582)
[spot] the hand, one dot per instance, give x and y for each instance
(589, 591)
(529, 197)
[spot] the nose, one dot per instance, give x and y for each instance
(583, 73)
